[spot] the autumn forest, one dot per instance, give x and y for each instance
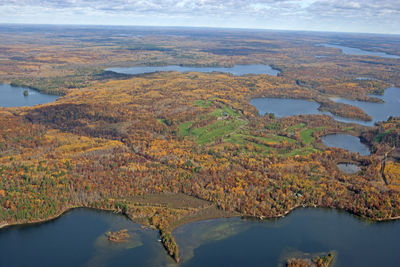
(168, 148)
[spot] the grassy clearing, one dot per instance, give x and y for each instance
(203, 103)
(215, 131)
(224, 111)
(225, 121)
(297, 126)
(307, 134)
(184, 128)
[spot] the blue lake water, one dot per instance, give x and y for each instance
(236, 242)
(345, 141)
(78, 239)
(235, 70)
(360, 52)
(378, 111)
(14, 97)
(282, 107)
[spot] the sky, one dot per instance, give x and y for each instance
(371, 16)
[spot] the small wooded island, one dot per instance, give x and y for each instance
(318, 261)
(168, 148)
(118, 236)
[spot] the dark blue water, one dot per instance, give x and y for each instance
(345, 141)
(235, 70)
(359, 52)
(78, 239)
(14, 97)
(235, 242)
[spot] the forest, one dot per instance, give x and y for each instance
(168, 148)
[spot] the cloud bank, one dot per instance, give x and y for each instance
(381, 16)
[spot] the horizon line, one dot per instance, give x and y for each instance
(196, 27)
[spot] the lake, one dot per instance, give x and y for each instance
(236, 242)
(378, 111)
(78, 239)
(235, 70)
(360, 52)
(349, 168)
(11, 96)
(282, 107)
(345, 141)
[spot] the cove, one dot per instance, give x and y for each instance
(11, 96)
(378, 111)
(359, 52)
(77, 238)
(345, 141)
(235, 70)
(282, 107)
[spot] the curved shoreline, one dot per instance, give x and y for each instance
(55, 217)
(279, 216)
(175, 255)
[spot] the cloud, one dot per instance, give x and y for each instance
(360, 8)
(286, 14)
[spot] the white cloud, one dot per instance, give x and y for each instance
(352, 15)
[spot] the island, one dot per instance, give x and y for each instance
(118, 236)
(318, 261)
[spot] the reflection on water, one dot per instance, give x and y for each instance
(235, 70)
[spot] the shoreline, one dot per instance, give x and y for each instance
(190, 219)
(55, 217)
(261, 218)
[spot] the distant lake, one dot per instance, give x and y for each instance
(359, 52)
(347, 142)
(78, 239)
(14, 97)
(282, 107)
(235, 70)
